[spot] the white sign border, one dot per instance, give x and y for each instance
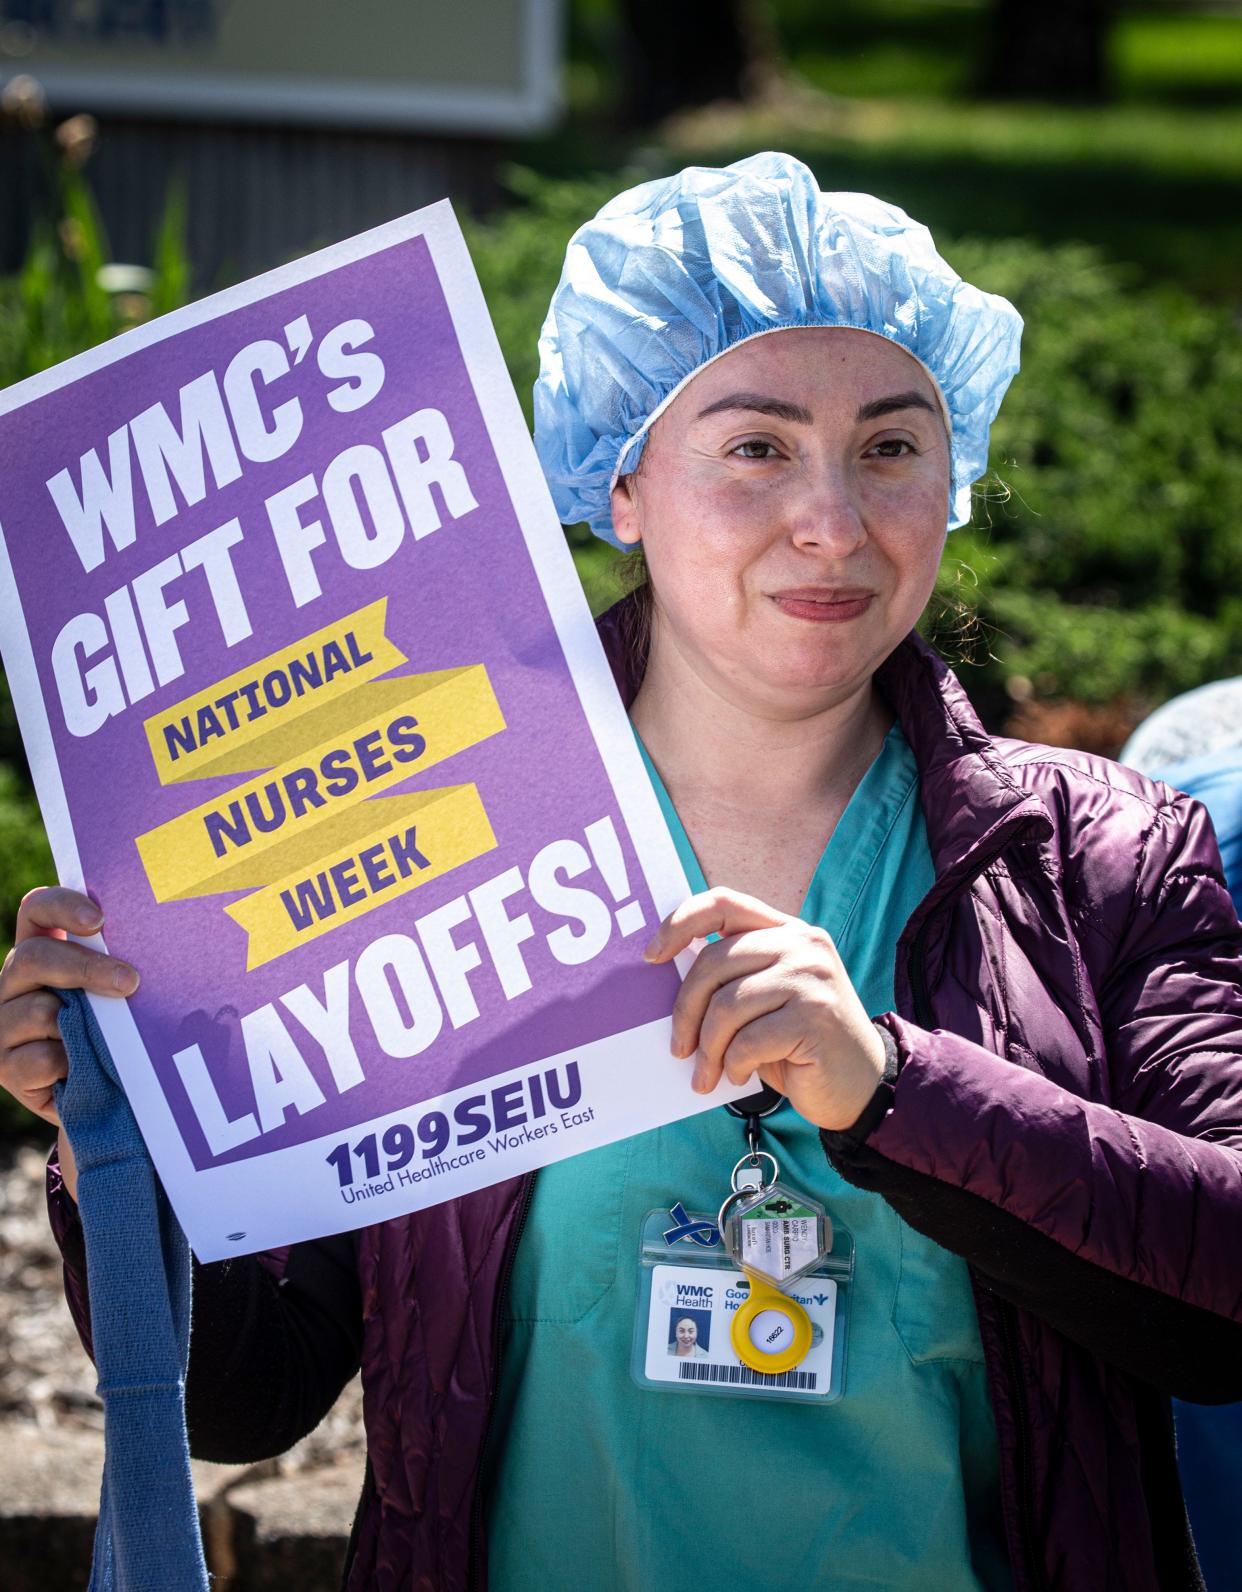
(246, 1184)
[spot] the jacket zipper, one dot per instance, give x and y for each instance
(1006, 1313)
(473, 1578)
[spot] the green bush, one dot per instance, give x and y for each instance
(59, 305)
(518, 257)
(1104, 558)
(1108, 543)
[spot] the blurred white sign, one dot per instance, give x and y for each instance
(475, 66)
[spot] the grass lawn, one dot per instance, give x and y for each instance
(879, 95)
(1175, 53)
(1152, 186)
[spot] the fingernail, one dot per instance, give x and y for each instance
(89, 919)
(649, 955)
(125, 978)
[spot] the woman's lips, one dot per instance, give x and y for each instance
(824, 607)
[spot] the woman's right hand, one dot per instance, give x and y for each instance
(43, 959)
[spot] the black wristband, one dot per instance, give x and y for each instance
(874, 1112)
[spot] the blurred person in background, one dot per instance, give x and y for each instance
(1194, 744)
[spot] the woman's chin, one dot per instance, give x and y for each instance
(800, 685)
(814, 664)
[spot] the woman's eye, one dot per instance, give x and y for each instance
(893, 448)
(755, 449)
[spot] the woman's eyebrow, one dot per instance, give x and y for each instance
(757, 403)
(888, 406)
(782, 409)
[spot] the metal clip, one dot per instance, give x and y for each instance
(747, 1180)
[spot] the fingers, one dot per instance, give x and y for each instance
(735, 1010)
(715, 967)
(30, 1073)
(44, 959)
(43, 956)
(55, 910)
(32, 1058)
(758, 1044)
(716, 911)
(32, 1016)
(41, 961)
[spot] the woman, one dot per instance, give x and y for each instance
(685, 1344)
(998, 986)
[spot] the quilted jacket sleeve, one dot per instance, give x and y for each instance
(273, 1338)
(1119, 1223)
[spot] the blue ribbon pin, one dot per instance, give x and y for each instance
(702, 1232)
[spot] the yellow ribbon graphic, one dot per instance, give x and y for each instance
(305, 833)
(253, 718)
(425, 836)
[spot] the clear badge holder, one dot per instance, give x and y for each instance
(732, 1307)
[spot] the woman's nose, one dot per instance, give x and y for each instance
(827, 512)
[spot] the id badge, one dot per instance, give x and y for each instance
(693, 1296)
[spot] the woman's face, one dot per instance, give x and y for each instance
(687, 1336)
(791, 503)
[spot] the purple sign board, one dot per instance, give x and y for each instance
(317, 713)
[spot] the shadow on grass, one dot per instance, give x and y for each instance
(1172, 227)
(1172, 224)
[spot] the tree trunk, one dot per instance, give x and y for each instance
(682, 53)
(1049, 49)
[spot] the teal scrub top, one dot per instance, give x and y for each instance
(593, 1481)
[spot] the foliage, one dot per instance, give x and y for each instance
(60, 304)
(1160, 52)
(1105, 555)
(56, 306)
(1104, 561)
(876, 97)
(925, 48)
(26, 857)
(1155, 186)
(518, 256)
(1115, 565)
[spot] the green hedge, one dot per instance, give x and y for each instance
(57, 306)
(1104, 561)
(1105, 555)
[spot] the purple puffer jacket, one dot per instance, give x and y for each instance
(1069, 1021)
(1064, 1109)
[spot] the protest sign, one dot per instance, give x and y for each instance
(317, 712)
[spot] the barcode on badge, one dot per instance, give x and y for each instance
(742, 1375)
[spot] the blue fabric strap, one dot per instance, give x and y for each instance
(138, 1269)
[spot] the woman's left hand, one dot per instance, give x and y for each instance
(770, 996)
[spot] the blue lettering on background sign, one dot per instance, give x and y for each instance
(104, 21)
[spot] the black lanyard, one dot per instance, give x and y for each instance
(752, 1110)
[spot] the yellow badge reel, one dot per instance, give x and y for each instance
(771, 1333)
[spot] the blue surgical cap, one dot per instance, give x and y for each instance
(674, 273)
